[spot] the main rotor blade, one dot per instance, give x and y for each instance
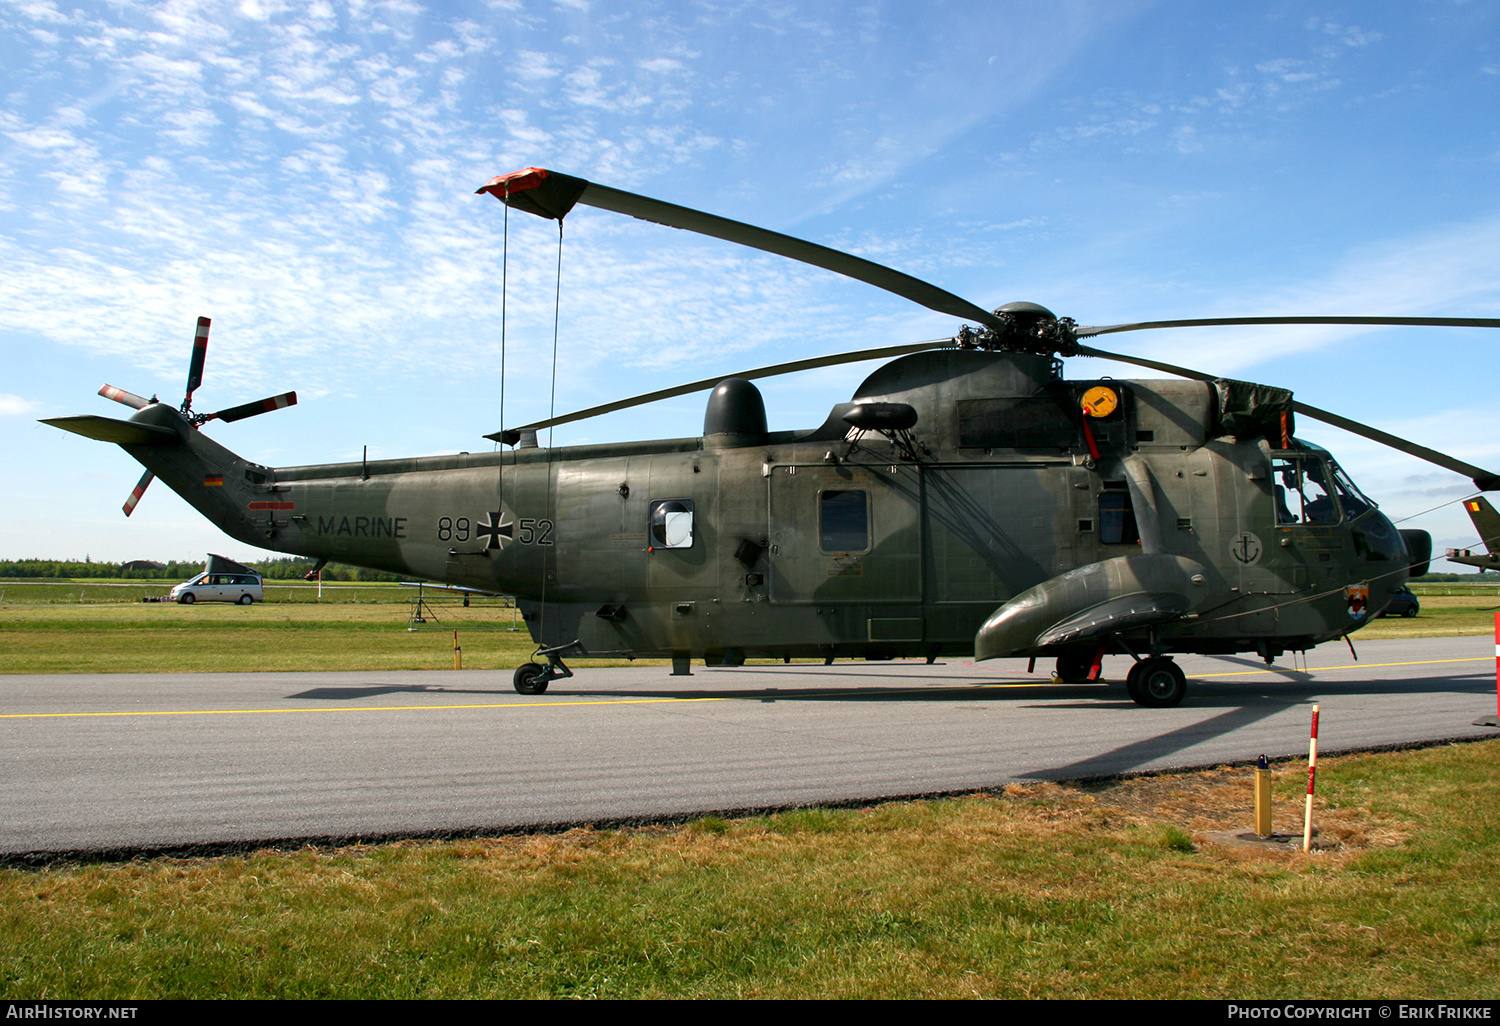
(1484, 480)
(760, 372)
(255, 409)
(1211, 322)
(195, 367)
(140, 489)
(552, 195)
(119, 395)
(1141, 361)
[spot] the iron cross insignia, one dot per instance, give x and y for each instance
(493, 529)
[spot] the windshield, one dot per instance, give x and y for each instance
(1355, 503)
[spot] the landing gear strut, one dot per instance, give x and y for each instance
(1157, 682)
(533, 678)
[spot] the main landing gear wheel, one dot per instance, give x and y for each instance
(531, 678)
(1157, 683)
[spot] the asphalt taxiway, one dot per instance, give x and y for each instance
(110, 762)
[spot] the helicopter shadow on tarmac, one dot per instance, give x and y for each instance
(1230, 706)
(353, 692)
(1247, 704)
(1293, 687)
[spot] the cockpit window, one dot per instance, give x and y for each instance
(1353, 501)
(1351, 498)
(1302, 489)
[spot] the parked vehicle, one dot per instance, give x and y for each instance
(222, 580)
(1404, 604)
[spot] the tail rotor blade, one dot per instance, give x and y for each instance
(140, 489)
(195, 368)
(119, 395)
(275, 402)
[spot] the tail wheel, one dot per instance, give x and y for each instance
(1157, 683)
(531, 679)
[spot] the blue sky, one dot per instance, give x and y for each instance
(303, 173)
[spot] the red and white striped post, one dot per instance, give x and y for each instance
(1494, 721)
(1312, 773)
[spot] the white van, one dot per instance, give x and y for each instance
(220, 587)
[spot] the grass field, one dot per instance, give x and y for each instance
(1104, 891)
(1041, 891)
(90, 627)
(100, 627)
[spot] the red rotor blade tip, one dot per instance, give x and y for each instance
(135, 496)
(119, 395)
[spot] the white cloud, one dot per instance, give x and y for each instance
(532, 66)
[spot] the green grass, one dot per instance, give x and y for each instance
(92, 627)
(1441, 616)
(1044, 891)
(93, 637)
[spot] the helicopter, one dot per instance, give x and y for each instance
(968, 500)
(1487, 523)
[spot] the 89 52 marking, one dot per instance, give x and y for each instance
(495, 530)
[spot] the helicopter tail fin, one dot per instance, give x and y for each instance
(121, 432)
(1487, 523)
(226, 488)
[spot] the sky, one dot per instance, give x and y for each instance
(304, 174)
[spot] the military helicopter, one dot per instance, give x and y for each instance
(1487, 523)
(967, 500)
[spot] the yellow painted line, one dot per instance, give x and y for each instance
(357, 708)
(658, 701)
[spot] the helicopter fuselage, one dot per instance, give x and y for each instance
(1001, 522)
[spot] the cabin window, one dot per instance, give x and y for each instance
(844, 521)
(1117, 519)
(672, 524)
